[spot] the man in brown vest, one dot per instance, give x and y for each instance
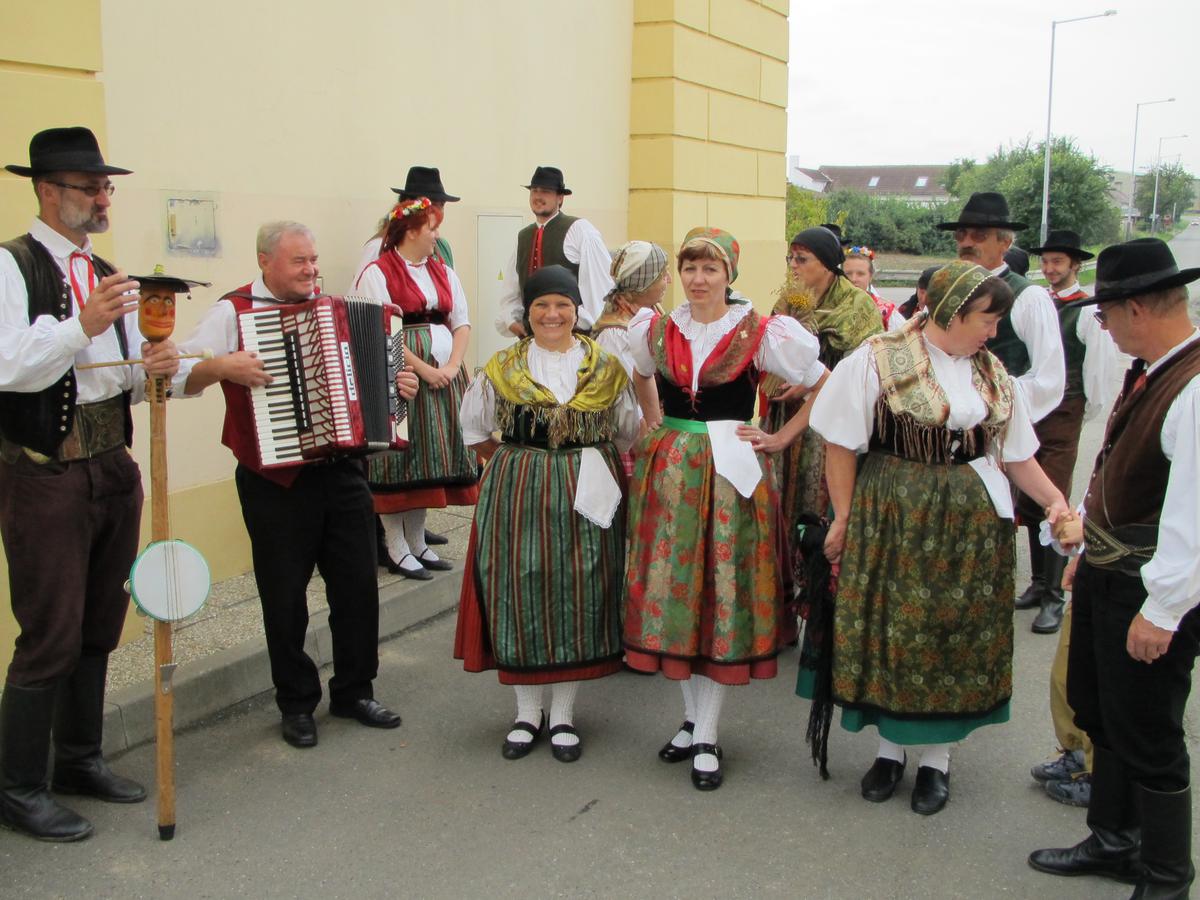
(1135, 633)
(555, 239)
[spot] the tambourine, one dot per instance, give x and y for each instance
(169, 580)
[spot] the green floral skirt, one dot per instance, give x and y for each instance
(923, 639)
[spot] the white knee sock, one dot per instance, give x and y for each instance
(682, 738)
(529, 709)
(414, 532)
(888, 750)
(562, 711)
(936, 756)
(709, 697)
(393, 533)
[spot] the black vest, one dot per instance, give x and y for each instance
(42, 420)
(1006, 345)
(553, 235)
(731, 400)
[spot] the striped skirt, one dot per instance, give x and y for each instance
(541, 594)
(437, 469)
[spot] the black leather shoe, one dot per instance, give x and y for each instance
(416, 574)
(519, 749)
(707, 781)
(565, 752)
(299, 730)
(367, 711)
(1109, 856)
(35, 813)
(434, 565)
(433, 539)
(931, 791)
(1030, 598)
(881, 779)
(93, 778)
(672, 754)
(1050, 616)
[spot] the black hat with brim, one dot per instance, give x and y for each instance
(837, 233)
(65, 150)
(1064, 241)
(1134, 268)
(424, 181)
(549, 178)
(171, 282)
(985, 209)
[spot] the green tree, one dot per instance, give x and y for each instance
(1176, 190)
(1079, 187)
(889, 224)
(804, 210)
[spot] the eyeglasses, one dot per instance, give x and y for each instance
(791, 258)
(90, 190)
(1101, 316)
(979, 235)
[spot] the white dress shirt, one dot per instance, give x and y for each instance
(1035, 320)
(584, 246)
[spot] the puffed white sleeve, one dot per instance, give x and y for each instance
(584, 245)
(216, 331)
(1020, 440)
(639, 345)
(790, 351)
(1172, 577)
(477, 415)
(371, 283)
(510, 310)
(844, 411)
(1036, 323)
(628, 419)
(458, 312)
(616, 342)
(370, 253)
(1099, 364)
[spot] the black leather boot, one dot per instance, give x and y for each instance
(1167, 870)
(1032, 595)
(1049, 618)
(1111, 850)
(79, 767)
(25, 804)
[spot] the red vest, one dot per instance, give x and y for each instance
(403, 290)
(238, 431)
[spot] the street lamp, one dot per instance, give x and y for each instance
(1049, 106)
(1133, 163)
(1157, 167)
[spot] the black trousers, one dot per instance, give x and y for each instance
(1132, 708)
(324, 520)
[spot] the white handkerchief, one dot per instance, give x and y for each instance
(1046, 539)
(734, 458)
(996, 485)
(597, 494)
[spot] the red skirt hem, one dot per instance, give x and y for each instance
(683, 669)
(437, 497)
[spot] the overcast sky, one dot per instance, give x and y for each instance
(930, 81)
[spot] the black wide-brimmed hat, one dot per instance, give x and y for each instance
(837, 233)
(170, 282)
(423, 181)
(985, 209)
(1063, 241)
(65, 150)
(549, 178)
(1134, 268)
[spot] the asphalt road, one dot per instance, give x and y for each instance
(432, 810)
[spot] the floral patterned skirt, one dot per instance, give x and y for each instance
(923, 634)
(704, 589)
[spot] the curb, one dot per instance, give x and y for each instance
(207, 686)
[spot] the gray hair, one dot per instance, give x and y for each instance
(1006, 234)
(271, 233)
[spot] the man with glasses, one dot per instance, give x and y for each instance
(1134, 631)
(70, 493)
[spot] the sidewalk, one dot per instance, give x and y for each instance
(222, 655)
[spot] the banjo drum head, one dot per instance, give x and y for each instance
(169, 580)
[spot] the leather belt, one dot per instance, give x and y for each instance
(1125, 549)
(97, 428)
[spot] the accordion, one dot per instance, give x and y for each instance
(333, 361)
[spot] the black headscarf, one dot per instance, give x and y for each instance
(550, 280)
(824, 245)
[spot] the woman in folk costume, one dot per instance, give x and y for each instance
(860, 269)
(641, 274)
(437, 470)
(922, 631)
(704, 587)
(541, 595)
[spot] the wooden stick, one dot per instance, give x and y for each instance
(203, 354)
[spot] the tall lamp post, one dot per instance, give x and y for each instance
(1049, 106)
(1157, 168)
(1133, 163)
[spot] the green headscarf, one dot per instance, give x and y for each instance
(950, 288)
(726, 245)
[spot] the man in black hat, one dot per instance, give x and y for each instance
(1027, 340)
(555, 239)
(422, 181)
(1135, 632)
(70, 493)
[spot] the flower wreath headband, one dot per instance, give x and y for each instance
(416, 207)
(861, 251)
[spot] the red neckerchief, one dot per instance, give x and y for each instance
(405, 292)
(80, 296)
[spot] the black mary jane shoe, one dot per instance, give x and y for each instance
(519, 749)
(434, 565)
(418, 574)
(931, 791)
(672, 754)
(706, 781)
(433, 539)
(566, 753)
(881, 779)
